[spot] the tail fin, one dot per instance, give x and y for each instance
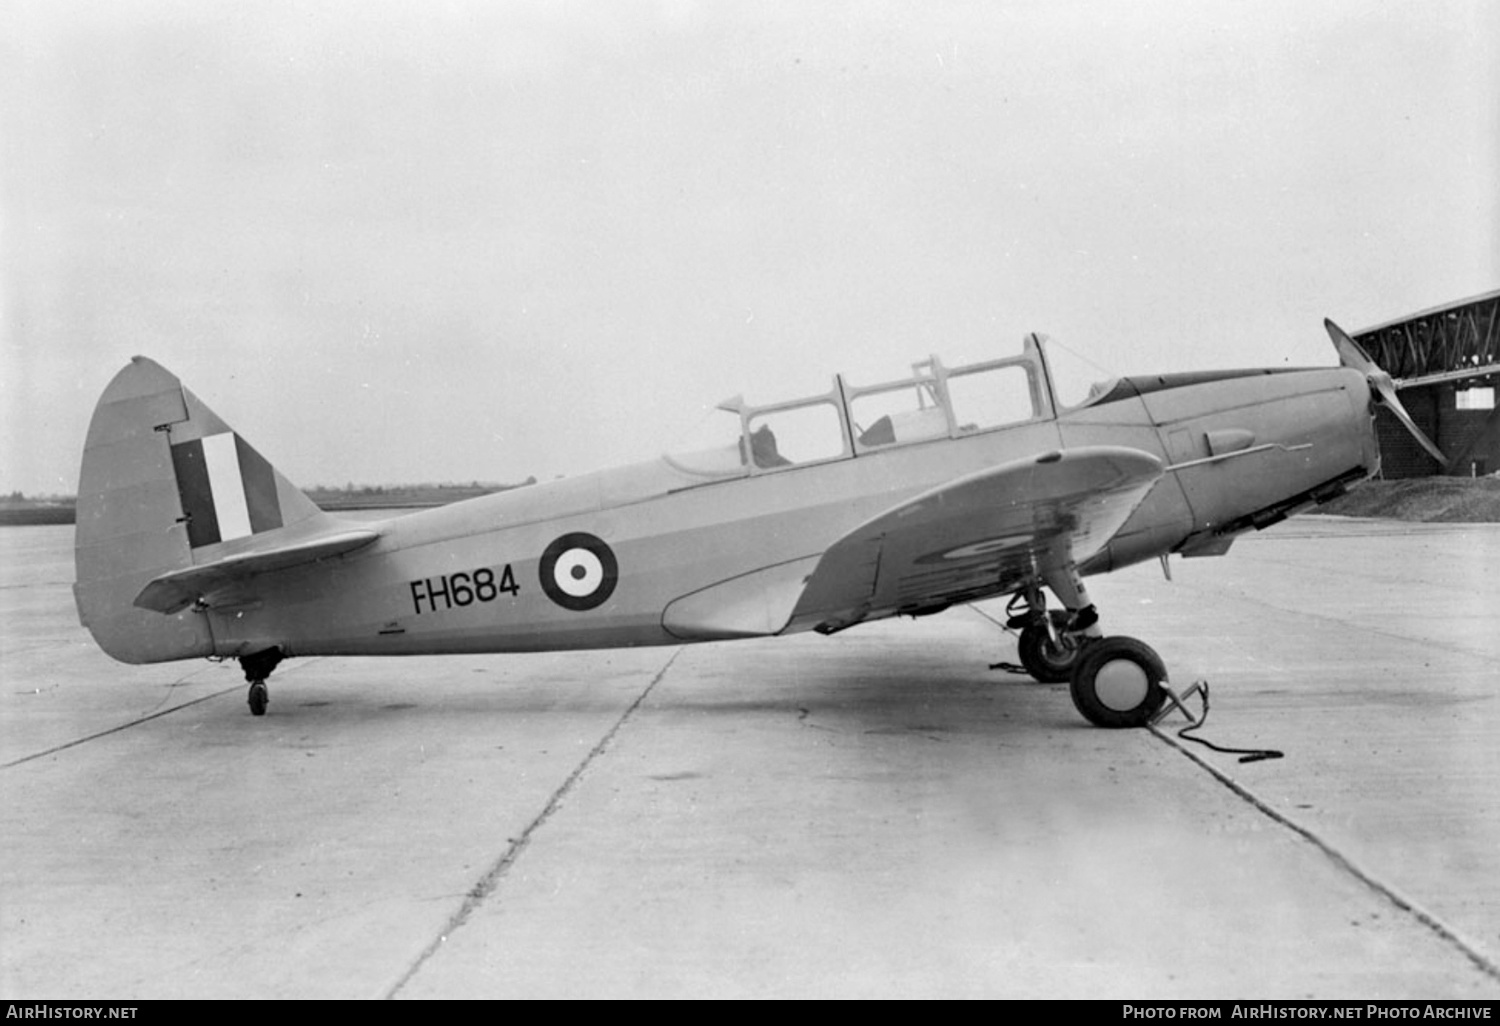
(165, 484)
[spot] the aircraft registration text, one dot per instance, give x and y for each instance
(462, 589)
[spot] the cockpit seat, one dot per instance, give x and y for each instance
(763, 449)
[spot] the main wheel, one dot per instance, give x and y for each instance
(260, 697)
(1049, 661)
(1117, 683)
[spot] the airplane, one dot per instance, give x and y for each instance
(902, 498)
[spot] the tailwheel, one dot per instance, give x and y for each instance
(1050, 656)
(257, 667)
(1117, 683)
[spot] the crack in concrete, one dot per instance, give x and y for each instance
(490, 881)
(1339, 859)
(1347, 865)
(148, 717)
(114, 730)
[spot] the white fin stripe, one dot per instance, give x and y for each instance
(221, 457)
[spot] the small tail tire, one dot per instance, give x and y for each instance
(1047, 660)
(1117, 683)
(259, 698)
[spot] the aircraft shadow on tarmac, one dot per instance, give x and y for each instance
(876, 689)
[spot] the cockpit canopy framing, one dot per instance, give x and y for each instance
(849, 421)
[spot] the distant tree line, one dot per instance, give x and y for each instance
(352, 495)
(49, 508)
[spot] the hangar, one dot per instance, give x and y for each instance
(1446, 362)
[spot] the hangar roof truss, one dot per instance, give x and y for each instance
(1451, 343)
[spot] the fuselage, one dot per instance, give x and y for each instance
(520, 570)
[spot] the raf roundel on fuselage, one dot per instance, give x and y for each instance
(579, 571)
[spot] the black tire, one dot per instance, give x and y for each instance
(1117, 683)
(260, 697)
(1050, 662)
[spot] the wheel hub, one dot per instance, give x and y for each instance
(1122, 685)
(1060, 652)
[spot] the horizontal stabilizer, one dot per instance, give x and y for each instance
(178, 589)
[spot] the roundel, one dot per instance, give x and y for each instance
(979, 549)
(987, 547)
(579, 571)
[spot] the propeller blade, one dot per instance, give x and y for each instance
(1351, 355)
(1388, 396)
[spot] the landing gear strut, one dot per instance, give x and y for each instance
(1047, 650)
(257, 667)
(1114, 681)
(1052, 640)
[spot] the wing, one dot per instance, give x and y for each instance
(178, 589)
(980, 535)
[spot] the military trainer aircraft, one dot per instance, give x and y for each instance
(903, 498)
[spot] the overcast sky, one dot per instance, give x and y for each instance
(423, 241)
